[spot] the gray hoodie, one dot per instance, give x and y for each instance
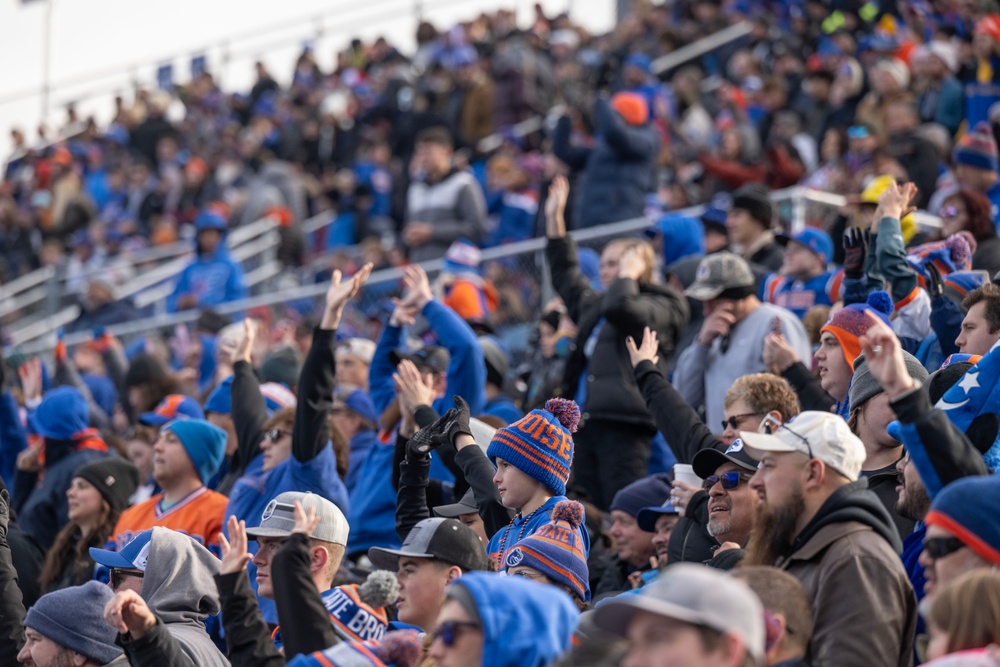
(179, 587)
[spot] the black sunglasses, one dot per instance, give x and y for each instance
(730, 480)
(939, 547)
(447, 632)
(118, 575)
(274, 435)
(734, 421)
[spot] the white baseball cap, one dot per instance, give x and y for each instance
(819, 435)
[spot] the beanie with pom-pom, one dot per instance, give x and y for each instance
(948, 256)
(540, 444)
(556, 550)
(401, 648)
(850, 323)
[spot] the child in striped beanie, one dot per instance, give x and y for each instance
(533, 457)
(554, 555)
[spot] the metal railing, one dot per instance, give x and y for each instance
(526, 255)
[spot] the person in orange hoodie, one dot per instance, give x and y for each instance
(462, 287)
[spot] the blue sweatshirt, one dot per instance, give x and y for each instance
(13, 439)
(252, 493)
(466, 368)
(361, 444)
(215, 279)
(525, 623)
(520, 529)
(373, 503)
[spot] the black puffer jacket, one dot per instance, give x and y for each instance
(627, 307)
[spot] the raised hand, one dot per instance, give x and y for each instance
(30, 373)
(894, 202)
(305, 522)
(411, 388)
(631, 265)
(234, 550)
(555, 208)
(245, 350)
(884, 356)
(128, 613)
(340, 293)
(647, 351)
(855, 249)
(778, 354)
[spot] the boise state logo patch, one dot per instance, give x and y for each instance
(736, 446)
(702, 272)
(515, 557)
(269, 510)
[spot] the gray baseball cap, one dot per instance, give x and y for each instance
(693, 594)
(719, 272)
(449, 540)
(278, 519)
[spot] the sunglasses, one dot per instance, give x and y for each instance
(274, 435)
(734, 421)
(770, 425)
(729, 480)
(949, 212)
(447, 632)
(857, 132)
(939, 547)
(118, 575)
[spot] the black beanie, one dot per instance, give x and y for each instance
(114, 477)
(756, 200)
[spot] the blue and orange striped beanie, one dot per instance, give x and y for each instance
(556, 550)
(540, 444)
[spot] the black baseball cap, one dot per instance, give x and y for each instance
(707, 461)
(431, 356)
(467, 505)
(443, 539)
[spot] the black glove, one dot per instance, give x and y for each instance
(444, 431)
(855, 249)
(935, 284)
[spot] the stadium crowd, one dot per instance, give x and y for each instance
(731, 441)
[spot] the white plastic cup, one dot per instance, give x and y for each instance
(685, 473)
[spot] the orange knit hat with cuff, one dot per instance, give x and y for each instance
(632, 107)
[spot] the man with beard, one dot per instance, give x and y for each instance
(817, 519)
(731, 501)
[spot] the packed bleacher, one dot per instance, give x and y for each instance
(647, 348)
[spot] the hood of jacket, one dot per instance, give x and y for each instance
(211, 220)
(525, 624)
(852, 502)
(179, 584)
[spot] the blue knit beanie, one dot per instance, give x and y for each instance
(74, 619)
(646, 492)
(540, 444)
(205, 444)
(62, 414)
(967, 509)
(556, 550)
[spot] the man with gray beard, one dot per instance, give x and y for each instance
(731, 501)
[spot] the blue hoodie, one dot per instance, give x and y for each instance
(525, 623)
(373, 501)
(215, 279)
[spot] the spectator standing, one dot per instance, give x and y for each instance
(749, 223)
(598, 371)
(618, 171)
(443, 203)
(731, 341)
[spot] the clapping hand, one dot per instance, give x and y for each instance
(234, 550)
(340, 293)
(884, 356)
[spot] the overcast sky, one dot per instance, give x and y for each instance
(122, 40)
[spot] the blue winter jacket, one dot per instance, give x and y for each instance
(373, 502)
(616, 173)
(361, 444)
(214, 279)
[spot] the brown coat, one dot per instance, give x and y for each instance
(476, 121)
(864, 607)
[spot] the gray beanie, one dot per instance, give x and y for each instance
(864, 385)
(74, 619)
